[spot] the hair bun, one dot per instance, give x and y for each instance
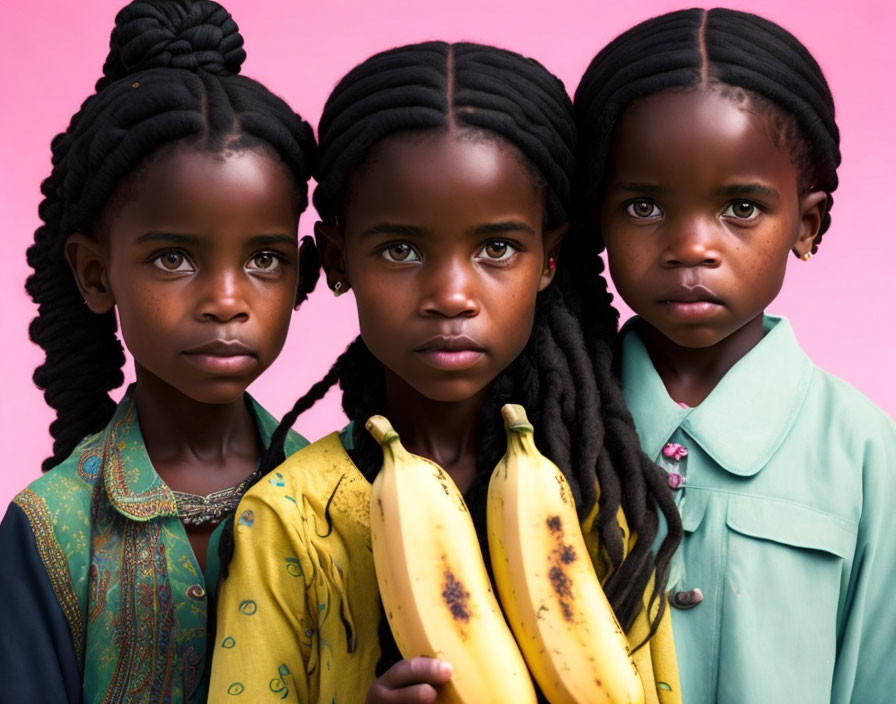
(187, 34)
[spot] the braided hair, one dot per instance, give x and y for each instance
(171, 77)
(563, 377)
(742, 55)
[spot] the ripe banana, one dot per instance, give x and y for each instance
(573, 644)
(432, 579)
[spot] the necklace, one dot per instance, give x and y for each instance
(195, 510)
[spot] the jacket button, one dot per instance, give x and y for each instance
(686, 599)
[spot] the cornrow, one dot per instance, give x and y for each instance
(170, 77)
(564, 376)
(713, 48)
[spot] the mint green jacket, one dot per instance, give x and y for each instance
(787, 491)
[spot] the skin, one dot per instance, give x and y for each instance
(444, 246)
(699, 195)
(198, 254)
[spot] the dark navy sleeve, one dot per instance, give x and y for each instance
(37, 656)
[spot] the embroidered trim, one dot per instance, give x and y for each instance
(157, 501)
(56, 565)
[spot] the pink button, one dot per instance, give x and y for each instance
(674, 451)
(675, 480)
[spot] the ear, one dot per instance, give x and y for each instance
(88, 260)
(813, 208)
(551, 239)
(331, 245)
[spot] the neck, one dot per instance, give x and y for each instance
(691, 373)
(443, 431)
(180, 430)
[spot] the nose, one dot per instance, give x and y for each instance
(450, 289)
(221, 299)
(693, 242)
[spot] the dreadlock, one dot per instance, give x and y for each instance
(170, 77)
(743, 56)
(563, 377)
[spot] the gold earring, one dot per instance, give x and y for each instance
(806, 257)
(337, 289)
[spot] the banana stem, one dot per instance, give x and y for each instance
(515, 418)
(381, 429)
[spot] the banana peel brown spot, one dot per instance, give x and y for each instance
(563, 588)
(566, 554)
(456, 597)
(554, 524)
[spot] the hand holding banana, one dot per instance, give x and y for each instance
(438, 598)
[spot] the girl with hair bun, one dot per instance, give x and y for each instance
(708, 154)
(444, 190)
(173, 202)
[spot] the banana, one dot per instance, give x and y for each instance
(432, 579)
(572, 642)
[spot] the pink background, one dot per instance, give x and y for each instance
(840, 303)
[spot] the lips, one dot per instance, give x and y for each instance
(691, 303)
(690, 294)
(221, 357)
(451, 352)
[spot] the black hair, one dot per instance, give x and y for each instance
(743, 55)
(171, 76)
(563, 377)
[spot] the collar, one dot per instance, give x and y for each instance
(747, 415)
(132, 484)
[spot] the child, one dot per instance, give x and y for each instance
(174, 202)
(444, 188)
(709, 153)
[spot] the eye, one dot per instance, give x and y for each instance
(742, 210)
(172, 260)
(643, 209)
(497, 250)
(267, 262)
(400, 252)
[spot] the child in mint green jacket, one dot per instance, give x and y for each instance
(710, 153)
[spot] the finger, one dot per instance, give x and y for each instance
(418, 670)
(412, 694)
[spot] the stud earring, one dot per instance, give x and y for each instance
(552, 264)
(338, 289)
(806, 257)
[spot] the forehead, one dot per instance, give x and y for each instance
(698, 133)
(446, 169)
(184, 177)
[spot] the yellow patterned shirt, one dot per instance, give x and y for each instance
(298, 615)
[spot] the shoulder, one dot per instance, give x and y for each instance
(63, 495)
(312, 473)
(846, 410)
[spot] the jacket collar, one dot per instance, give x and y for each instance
(132, 484)
(744, 419)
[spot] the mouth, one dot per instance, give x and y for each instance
(691, 302)
(222, 357)
(451, 352)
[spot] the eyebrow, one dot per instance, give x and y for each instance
(177, 238)
(648, 188)
(746, 189)
(495, 228)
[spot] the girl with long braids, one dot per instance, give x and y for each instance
(709, 151)
(444, 186)
(174, 202)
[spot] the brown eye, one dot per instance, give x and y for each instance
(643, 209)
(496, 250)
(172, 261)
(265, 261)
(743, 209)
(400, 252)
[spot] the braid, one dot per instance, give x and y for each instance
(714, 48)
(564, 376)
(170, 77)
